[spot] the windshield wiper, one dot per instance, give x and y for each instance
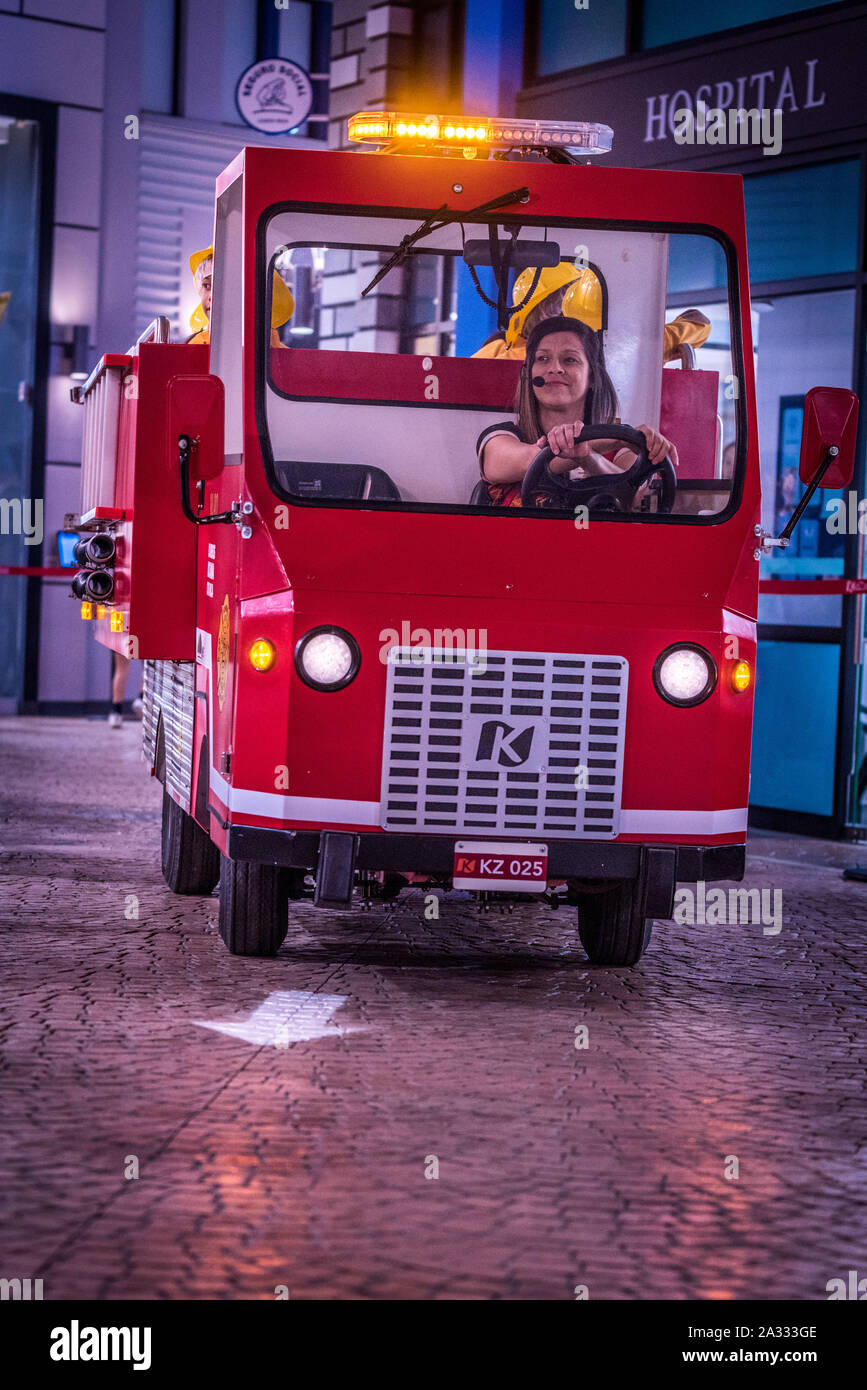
(439, 219)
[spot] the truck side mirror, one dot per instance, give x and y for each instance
(196, 421)
(827, 452)
(830, 423)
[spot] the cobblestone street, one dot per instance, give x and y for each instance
(396, 1107)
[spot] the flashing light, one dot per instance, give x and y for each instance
(100, 610)
(414, 129)
(116, 620)
(262, 654)
(742, 676)
(87, 611)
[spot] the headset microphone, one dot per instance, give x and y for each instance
(538, 381)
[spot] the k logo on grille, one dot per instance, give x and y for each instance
(504, 744)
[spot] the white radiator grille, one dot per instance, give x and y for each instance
(99, 442)
(500, 746)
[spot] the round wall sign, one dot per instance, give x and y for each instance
(274, 96)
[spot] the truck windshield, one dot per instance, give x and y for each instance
(396, 397)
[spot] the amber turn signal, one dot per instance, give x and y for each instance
(262, 655)
(742, 676)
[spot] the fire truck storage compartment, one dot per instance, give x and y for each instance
(131, 470)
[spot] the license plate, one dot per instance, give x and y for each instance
(486, 865)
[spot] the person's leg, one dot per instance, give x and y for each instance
(120, 671)
(135, 683)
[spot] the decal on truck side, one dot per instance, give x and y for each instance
(223, 652)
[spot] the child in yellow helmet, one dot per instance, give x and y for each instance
(576, 293)
(202, 267)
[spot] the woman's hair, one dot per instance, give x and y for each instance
(550, 307)
(600, 406)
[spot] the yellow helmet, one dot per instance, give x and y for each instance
(282, 301)
(583, 299)
(551, 279)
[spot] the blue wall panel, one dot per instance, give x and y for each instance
(795, 728)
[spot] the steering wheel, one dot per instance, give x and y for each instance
(601, 492)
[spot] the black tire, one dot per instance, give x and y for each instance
(254, 907)
(612, 927)
(190, 859)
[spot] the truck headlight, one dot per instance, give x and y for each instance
(327, 658)
(684, 674)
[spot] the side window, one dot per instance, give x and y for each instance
(227, 313)
(701, 395)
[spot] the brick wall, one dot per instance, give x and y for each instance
(371, 55)
(346, 321)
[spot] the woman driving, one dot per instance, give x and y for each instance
(565, 357)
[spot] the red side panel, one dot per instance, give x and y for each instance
(380, 376)
(688, 417)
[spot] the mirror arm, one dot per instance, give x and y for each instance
(766, 542)
(185, 448)
(793, 520)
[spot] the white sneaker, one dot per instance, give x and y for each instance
(137, 707)
(115, 721)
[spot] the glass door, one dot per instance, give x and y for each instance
(803, 340)
(21, 514)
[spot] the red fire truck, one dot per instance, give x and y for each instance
(358, 672)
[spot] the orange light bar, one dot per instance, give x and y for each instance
(415, 128)
(87, 611)
(116, 621)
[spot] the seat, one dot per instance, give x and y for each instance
(345, 482)
(688, 415)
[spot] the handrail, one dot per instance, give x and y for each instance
(686, 355)
(78, 393)
(158, 331)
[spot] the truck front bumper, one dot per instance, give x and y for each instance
(434, 854)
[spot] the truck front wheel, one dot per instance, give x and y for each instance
(611, 925)
(190, 859)
(254, 907)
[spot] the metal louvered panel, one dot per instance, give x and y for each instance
(169, 693)
(99, 440)
(495, 742)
